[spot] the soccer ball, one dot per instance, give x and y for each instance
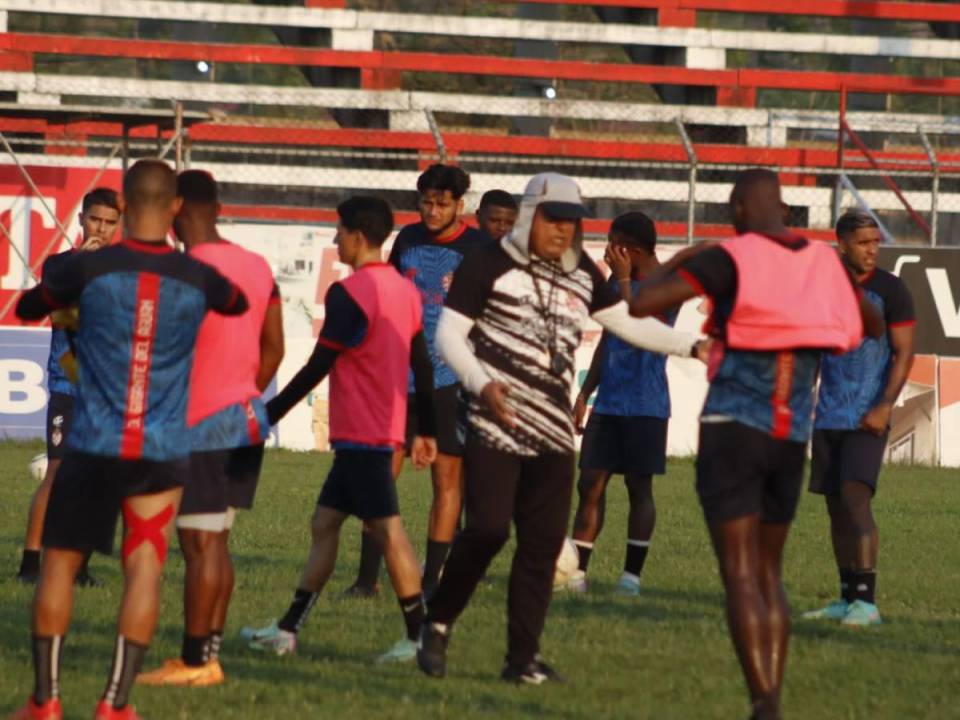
(38, 467)
(568, 562)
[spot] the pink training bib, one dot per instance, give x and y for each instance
(368, 383)
(227, 355)
(789, 299)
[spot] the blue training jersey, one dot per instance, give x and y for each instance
(430, 264)
(852, 383)
(633, 382)
(140, 306)
(60, 344)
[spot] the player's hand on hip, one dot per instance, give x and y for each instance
(579, 413)
(495, 395)
(877, 419)
(423, 452)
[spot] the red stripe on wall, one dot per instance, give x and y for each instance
(141, 356)
(782, 383)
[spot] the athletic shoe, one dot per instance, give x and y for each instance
(536, 672)
(628, 585)
(270, 638)
(836, 610)
(403, 651)
(362, 592)
(177, 672)
(861, 614)
(432, 649)
(86, 580)
(106, 711)
(576, 583)
(50, 710)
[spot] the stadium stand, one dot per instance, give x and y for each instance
(295, 106)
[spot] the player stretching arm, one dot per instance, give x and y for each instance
(372, 334)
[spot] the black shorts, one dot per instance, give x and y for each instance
(742, 470)
(221, 479)
(622, 444)
(449, 441)
(361, 483)
(841, 456)
(59, 417)
(87, 493)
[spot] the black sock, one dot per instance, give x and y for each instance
(214, 641)
(46, 667)
(846, 584)
(296, 616)
(30, 563)
(864, 585)
(412, 608)
(636, 556)
(85, 568)
(436, 556)
(584, 550)
(193, 652)
(127, 659)
(370, 556)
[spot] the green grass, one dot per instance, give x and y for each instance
(664, 655)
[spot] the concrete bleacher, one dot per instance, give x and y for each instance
(798, 141)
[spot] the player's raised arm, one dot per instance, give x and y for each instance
(648, 333)
(271, 341)
(344, 326)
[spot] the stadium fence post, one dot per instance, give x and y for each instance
(437, 135)
(692, 181)
(935, 184)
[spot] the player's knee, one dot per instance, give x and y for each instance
(146, 530)
(855, 497)
(591, 487)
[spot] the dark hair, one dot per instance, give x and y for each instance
(370, 215)
(498, 198)
(637, 229)
(444, 177)
(750, 179)
(100, 196)
(149, 183)
(197, 186)
(852, 220)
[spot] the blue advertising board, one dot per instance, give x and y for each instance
(23, 382)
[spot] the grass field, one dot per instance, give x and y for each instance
(664, 655)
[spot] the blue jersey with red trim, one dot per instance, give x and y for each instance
(60, 340)
(430, 264)
(854, 382)
(140, 305)
(770, 391)
(633, 382)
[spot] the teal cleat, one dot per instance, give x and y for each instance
(404, 651)
(271, 639)
(837, 610)
(861, 614)
(628, 585)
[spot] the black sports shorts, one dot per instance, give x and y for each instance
(221, 479)
(88, 490)
(361, 483)
(622, 444)
(448, 418)
(742, 470)
(59, 417)
(841, 456)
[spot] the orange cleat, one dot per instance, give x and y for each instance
(106, 711)
(50, 710)
(176, 672)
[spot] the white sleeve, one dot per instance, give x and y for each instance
(455, 350)
(647, 333)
